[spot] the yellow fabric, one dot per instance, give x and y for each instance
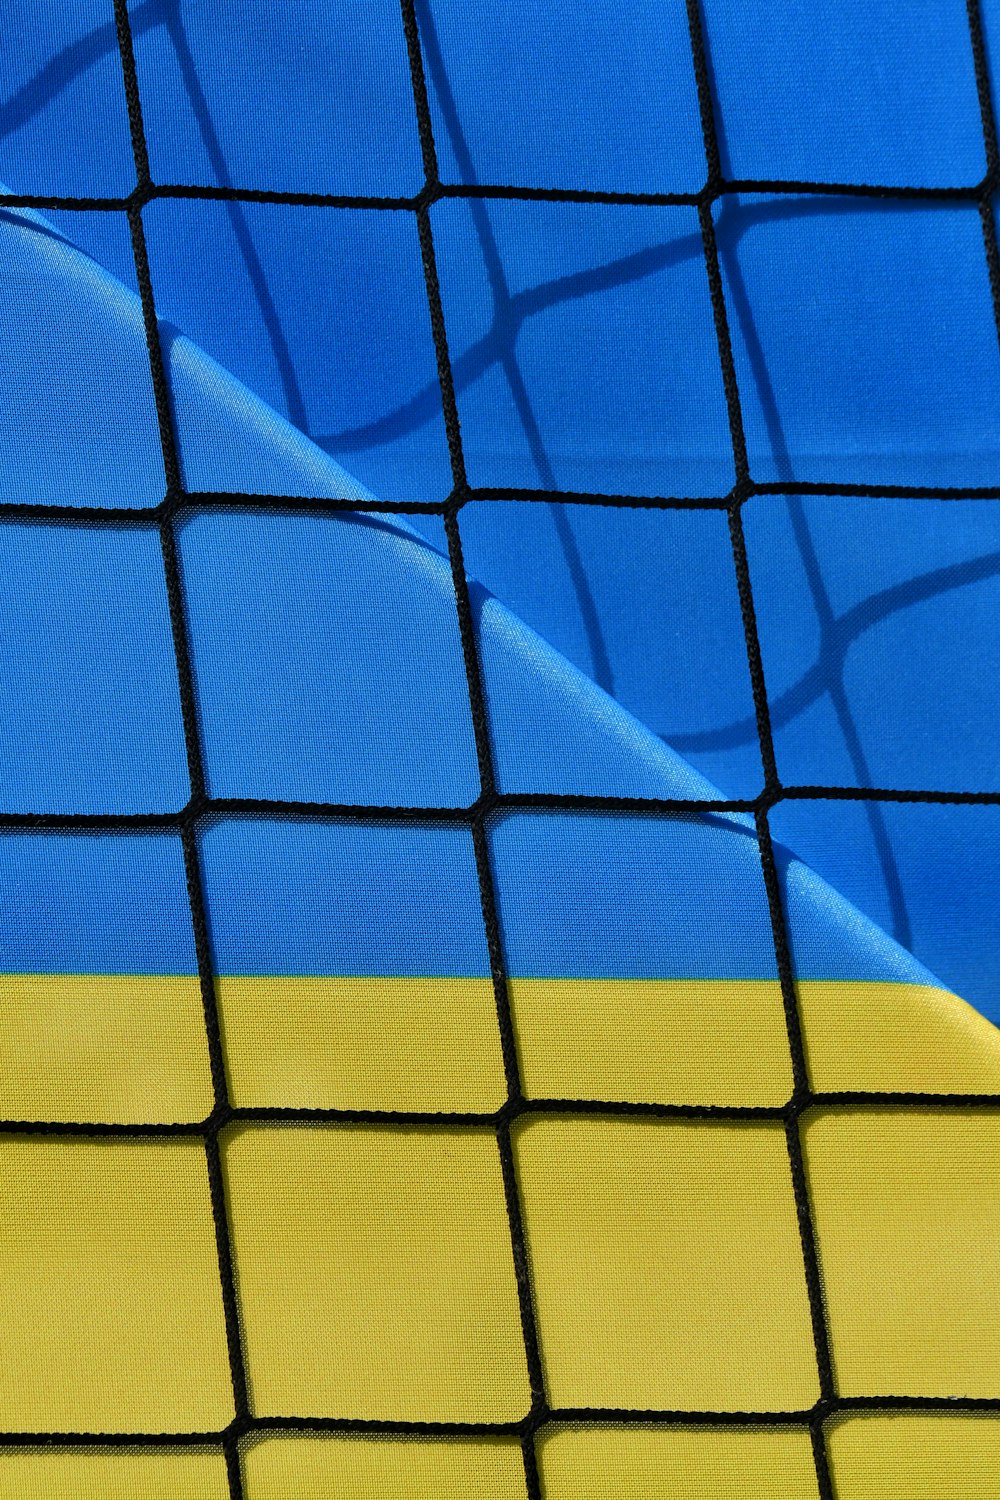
(408, 1044)
(906, 1456)
(908, 1221)
(89, 1474)
(897, 1037)
(667, 1264)
(117, 1048)
(375, 1273)
(680, 1041)
(682, 1464)
(433, 1044)
(131, 1048)
(373, 1264)
(109, 1288)
(291, 1468)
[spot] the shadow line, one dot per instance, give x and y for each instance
(169, 14)
(67, 65)
(506, 326)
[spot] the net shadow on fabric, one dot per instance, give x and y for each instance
(179, 503)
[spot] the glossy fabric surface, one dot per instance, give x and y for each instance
(356, 1142)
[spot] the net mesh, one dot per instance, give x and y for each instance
(177, 502)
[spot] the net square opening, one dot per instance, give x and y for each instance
(599, 97)
(375, 1274)
(318, 340)
(907, 1225)
(643, 603)
(90, 711)
(857, 361)
(846, 94)
(667, 1265)
(109, 1289)
(228, 103)
(583, 347)
(352, 967)
(101, 1012)
(383, 1468)
(312, 686)
(590, 1463)
(612, 1002)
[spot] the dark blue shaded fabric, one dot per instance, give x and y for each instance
(584, 348)
(881, 639)
(864, 340)
(228, 101)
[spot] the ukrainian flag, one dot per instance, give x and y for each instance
(499, 791)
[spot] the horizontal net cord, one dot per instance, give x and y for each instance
(822, 1412)
(715, 188)
(186, 503)
(204, 809)
(523, 1108)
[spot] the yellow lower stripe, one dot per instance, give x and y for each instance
(117, 1047)
(371, 1043)
(132, 1049)
(85, 1474)
(679, 1041)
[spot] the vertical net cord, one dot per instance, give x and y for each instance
(178, 624)
(801, 1095)
(484, 755)
(987, 115)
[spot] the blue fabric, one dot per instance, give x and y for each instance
(83, 903)
(588, 95)
(298, 898)
(585, 897)
(210, 72)
(77, 420)
(90, 714)
(833, 92)
(845, 589)
(644, 603)
(584, 347)
(60, 75)
(892, 862)
(858, 360)
(327, 695)
(252, 284)
(300, 360)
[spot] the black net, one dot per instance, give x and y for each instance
(178, 502)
